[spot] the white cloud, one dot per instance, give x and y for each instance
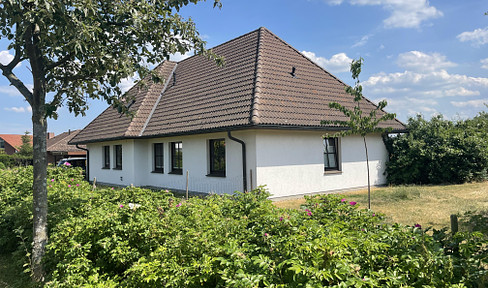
(361, 42)
(337, 63)
(5, 57)
(177, 57)
(19, 109)
(430, 79)
(478, 37)
(423, 86)
(470, 103)
(404, 13)
(421, 62)
(334, 2)
(126, 83)
(484, 63)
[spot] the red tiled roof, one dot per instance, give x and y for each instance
(255, 88)
(14, 140)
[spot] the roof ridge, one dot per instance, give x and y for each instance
(159, 99)
(254, 113)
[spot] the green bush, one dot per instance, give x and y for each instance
(141, 238)
(439, 151)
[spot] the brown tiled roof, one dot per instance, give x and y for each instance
(255, 88)
(59, 143)
(14, 140)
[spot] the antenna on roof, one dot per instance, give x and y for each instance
(293, 69)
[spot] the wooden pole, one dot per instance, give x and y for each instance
(454, 230)
(250, 177)
(187, 176)
(454, 224)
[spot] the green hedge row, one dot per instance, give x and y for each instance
(439, 151)
(10, 161)
(141, 238)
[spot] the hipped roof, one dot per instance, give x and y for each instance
(256, 88)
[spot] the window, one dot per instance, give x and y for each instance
(2, 144)
(118, 157)
(176, 157)
(106, 157)
(158, 158)
(331, 160)
(217, 157)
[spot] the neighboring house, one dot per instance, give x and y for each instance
(255, 121)
(10, 143)
(58, 147)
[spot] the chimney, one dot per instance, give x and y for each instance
(50, 135)
(69, 131)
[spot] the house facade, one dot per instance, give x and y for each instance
(253, 122)
(10, 143)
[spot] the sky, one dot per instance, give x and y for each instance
(423, 57)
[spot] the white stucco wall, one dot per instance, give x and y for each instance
(291, 162)
(137, 164)
(287, 162)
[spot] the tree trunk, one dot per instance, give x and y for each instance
(40, 236)
(367, 166)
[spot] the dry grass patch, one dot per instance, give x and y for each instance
(425, 205)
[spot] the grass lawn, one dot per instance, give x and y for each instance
(425, 205)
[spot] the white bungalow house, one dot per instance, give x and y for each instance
(255, 121)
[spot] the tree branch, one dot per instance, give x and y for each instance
(15, 81)
(59, 62)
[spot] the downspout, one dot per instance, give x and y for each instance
(244, 169)
(87, 159)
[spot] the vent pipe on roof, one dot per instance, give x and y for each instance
(293, 69)
(174, 79)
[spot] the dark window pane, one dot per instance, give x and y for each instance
(177, 157)
(330, 154)
(106, 157)
(118, 156)
(158, 157)
(217, 157)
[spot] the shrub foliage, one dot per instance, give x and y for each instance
(439, 151)
(136, 237)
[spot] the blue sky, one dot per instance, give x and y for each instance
(426, 57)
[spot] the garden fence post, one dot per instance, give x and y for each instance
(454, 230)
(187, 175)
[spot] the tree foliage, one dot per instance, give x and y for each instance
(26, 148)
(439, 151)
(357, 123)
(82, 49)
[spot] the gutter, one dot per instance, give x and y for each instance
(244, 169)
(87, 176)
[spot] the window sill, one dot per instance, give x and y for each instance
(116, 168)
(106, 168)
(216, 175)
(157, 172)
(176, 172)
(328, 172)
